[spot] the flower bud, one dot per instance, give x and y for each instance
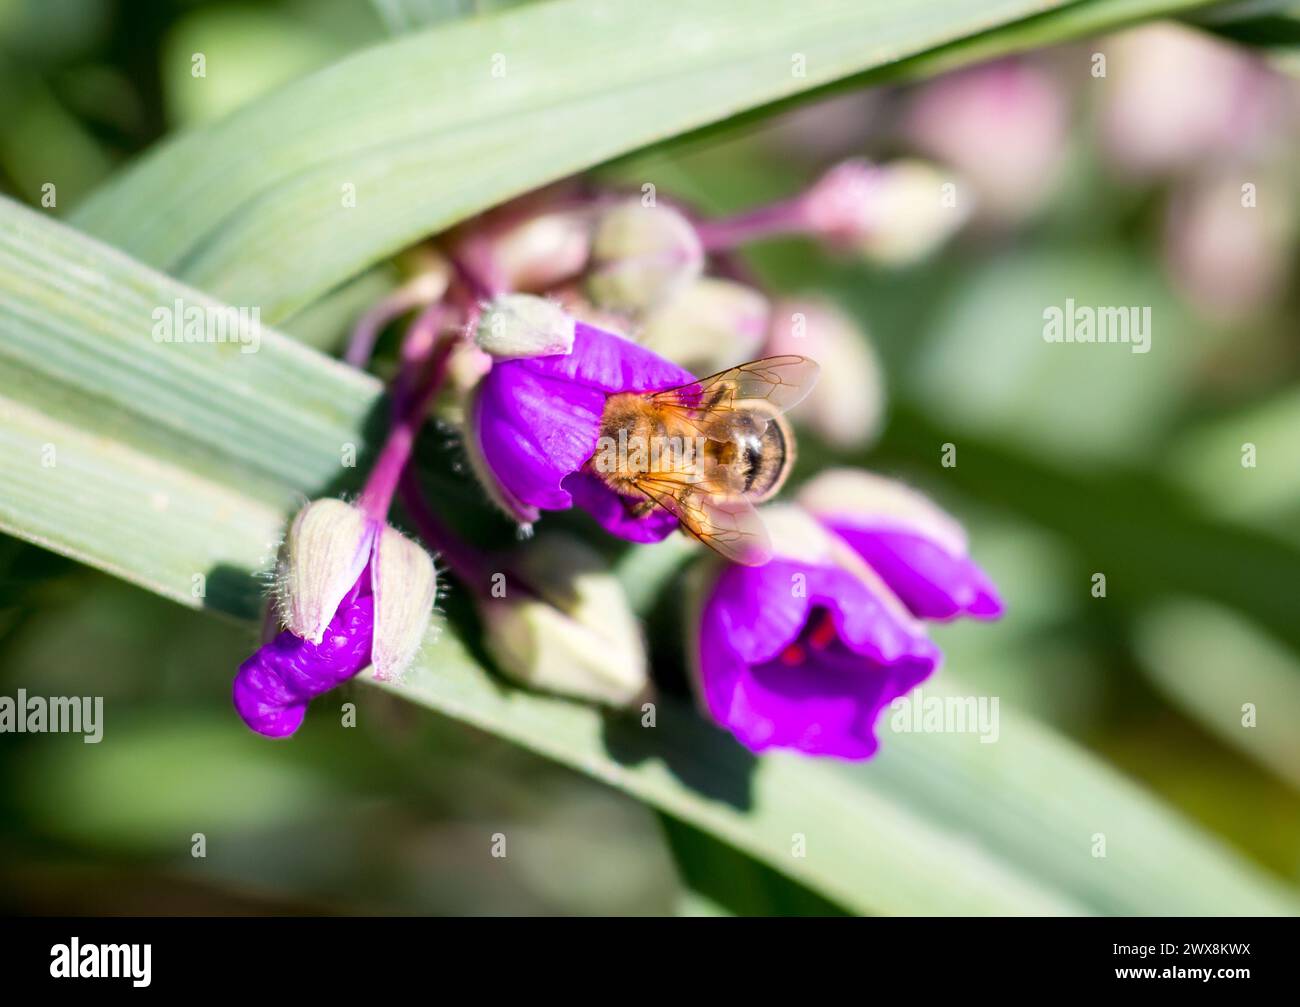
(1229, 262)
(544, 250)
(570, 630)
(847, 404)
(893, 214)
(405, 586)
(514, 326)
(1177, 98)
(379, 618)
(641, 256)
(1002, 126)
(710, 325)
(327, 548)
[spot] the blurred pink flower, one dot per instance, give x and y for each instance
(1175, 98)
(1228, 240)
(1000, 125)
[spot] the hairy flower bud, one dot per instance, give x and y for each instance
(574, 633)
(327, 548)
(543, 250)
(351, 592)
(641, 256)
(514, 326)
(405, 586)
(894, 214)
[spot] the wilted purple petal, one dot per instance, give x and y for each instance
(273, 686)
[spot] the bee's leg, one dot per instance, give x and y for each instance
(641, 508)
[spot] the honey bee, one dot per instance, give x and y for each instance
(707, 452)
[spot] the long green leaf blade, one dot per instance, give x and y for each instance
(429, 128)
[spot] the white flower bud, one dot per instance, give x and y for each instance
(913, 215)
(544, 250)
(326, 552)
(521, 325)
(847, 404)
(327, 548)
(577, 635)
(641, 256)
(894, 214)
(405, 586)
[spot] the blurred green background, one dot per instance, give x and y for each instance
(1072, 460)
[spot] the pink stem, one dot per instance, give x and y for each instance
(416, 352)
(723, 233)
(465, 561)
(416, 292)
(426, 348)
(377, 496)
(473, 265)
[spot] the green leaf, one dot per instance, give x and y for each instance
(1242, 685)
(176, 459)
(1271, 27)
(401, 16)
(432, 127)
(159, 462)
(717, 878)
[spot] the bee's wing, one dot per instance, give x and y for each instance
(729, 525)
(781, 382)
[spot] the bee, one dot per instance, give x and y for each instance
(708, 451)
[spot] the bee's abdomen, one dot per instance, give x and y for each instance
(767, 458)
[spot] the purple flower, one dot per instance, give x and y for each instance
(351, 592)
(806, 651)
(273, 686)
(917, 549)
(535, 421)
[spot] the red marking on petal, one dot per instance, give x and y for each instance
(823, 634)
(793, 655)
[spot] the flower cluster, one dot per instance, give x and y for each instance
(555, 320)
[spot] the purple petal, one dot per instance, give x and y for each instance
(823, 701)
(533, 431)
(916, 548)
(610, 363)
(537, 419)
(802, 656)
(273, 686)
(934, 582)
(612, 511)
